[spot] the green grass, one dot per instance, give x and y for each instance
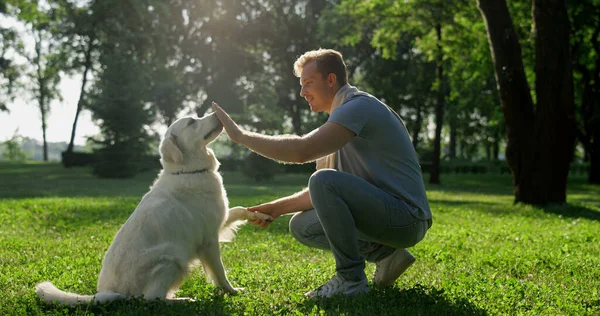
(483, 254)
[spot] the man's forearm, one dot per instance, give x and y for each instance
(286, 148)
(294, 203)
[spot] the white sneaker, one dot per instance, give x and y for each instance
(391, 267)
(338, 285)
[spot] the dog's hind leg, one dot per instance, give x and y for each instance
(164, 279)
(210, 257)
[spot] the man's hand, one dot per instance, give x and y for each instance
(267, 208)
(233, 130)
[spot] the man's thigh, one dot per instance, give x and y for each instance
(379, 216)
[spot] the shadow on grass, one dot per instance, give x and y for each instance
(568, 210)
(213, 305)
(418, 300)
(75, 216)
(573, 211)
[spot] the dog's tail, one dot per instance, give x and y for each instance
(50, 294)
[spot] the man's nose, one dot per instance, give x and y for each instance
(302, 92)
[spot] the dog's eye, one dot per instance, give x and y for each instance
(192, 121)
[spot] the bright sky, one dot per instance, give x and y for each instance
(25, 116)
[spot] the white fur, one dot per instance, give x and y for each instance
(176, 225)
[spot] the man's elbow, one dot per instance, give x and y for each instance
(302, 154)
(301, 157)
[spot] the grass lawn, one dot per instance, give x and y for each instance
(483, 255)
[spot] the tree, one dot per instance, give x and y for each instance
(78, 27)
(283, 31)
(117, 103)
(474, 117)
(586, 63)
(425, 19)
(540, 138)
(13, 148)
(403, 82)
(47, 59)
(9, 71)
(119, 98)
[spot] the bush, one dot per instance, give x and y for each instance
(230, 164)
(303, 168)
(579, 168)
(149, 162)
(77, 159)
(259, 168)
(121, 160)
(13, 151)
(466, 166)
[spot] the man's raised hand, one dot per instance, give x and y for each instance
(233, 130)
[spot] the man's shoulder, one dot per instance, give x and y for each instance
(359, 96)
(361, 101)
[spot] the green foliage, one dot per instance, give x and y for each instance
(12, 149)
(45, 62)
(283, 30)
(483, 255)
(259, 168)
(9, 70)
(118, 105)
(467, 166)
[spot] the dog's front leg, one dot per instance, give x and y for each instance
(210, 257)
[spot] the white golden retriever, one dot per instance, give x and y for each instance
(178, 223)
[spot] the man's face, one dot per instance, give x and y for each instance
(318, 91)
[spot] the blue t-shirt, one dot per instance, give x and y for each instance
(381, 152)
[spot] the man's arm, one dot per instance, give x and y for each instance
(297, 202)
(299, 149)
(288, 148)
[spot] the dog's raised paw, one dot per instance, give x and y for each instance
(258, 215)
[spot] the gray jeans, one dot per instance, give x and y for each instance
(356, 221)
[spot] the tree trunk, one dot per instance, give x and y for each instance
(496, 144)
(434, 176)
(43, 111)
(591, 111)
(88, 65)
(296, 119)
(417, 127)
(555, 114)
(42, 92)
(539, 145)
(453, 135)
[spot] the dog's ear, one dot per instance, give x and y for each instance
(170, 151)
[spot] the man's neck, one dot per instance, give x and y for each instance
(341, 95)
(337, 89)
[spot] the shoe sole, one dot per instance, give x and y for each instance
(410, 262)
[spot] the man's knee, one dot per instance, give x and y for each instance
(298, 225)
(320, 178)
(305, 225)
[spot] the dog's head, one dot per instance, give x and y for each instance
(189, 136)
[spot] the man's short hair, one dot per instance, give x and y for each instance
(328, 61)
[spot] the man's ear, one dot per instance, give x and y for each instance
(169, 150)
(331, 79)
